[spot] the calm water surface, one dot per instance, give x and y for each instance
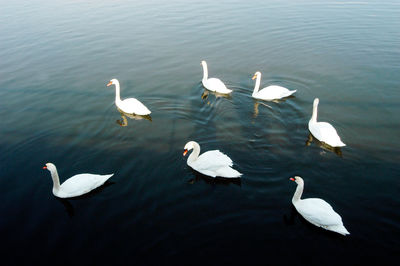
(55, 60)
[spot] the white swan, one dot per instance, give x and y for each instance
(323, 131)
(130, 105)
(317, 211)
(76, 185)
(213, 84)
(272, 92)
(212, 163)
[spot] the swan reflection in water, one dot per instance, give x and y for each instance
(66, 202)
(256, 103)
(213, 180)
(217, 95)
(124, 121)
(323, 145)
(262, 102)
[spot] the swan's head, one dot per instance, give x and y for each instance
(298, 180)
(316, 101)
(49, 166)
(257, 74)
(113, 81)
(203, 63)
(189, 146)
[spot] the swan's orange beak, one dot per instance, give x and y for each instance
(44, 167)
(292, 179)
(109, 84)
(254, 77)
(185, 152)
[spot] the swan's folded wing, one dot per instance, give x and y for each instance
(327, 131)
(132, 105)
(212, 161)
(83, 183)
(215, 83)
(216, 157)
(274, 92)
(318, 212)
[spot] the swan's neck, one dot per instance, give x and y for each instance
(117, 93)
(205, 72)
(257, 86)
(314, 113)
(195, 153)
(298, 193)
(56, 180)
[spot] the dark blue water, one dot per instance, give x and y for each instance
(56, 58)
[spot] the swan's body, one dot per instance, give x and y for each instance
(213, 84)
(211, 163)
(323, 131)
(317, 211)
(130, 105)
(76, 185)
(272, 92)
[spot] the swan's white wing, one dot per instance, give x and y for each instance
(81, 184)
(214, 157)
(325, 132)
(318, 212)
(274, 92)
(215, 163)
(216, 85)
(133, 106)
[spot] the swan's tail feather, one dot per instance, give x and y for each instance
(106, 177)
(339, 229)
(290, 93)
(228, 172)
(340, 144)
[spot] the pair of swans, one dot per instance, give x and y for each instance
(212, 163)
(316, 211)
(269, 93)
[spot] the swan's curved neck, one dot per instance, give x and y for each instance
(117, 93)
(195, 153)
(297, 194)
(257, 85)
(205, 71)
(314, 113)
(56, 180)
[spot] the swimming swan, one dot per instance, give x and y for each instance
(213, 84)
(317, 211)
(272, 92)
(323, 131)
(211, 163)
(76, 185)
(130, 105)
